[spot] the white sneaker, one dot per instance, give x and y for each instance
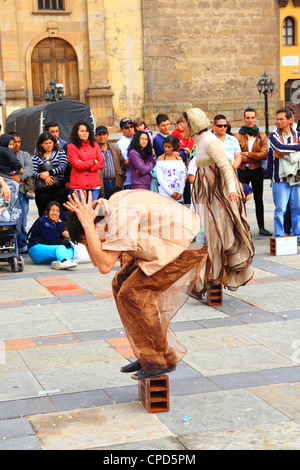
(56, 265)
(68, 264)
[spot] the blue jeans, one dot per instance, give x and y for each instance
(108, 185)
(282, 194)
(22, 237)
(45, 254)
(95, 193)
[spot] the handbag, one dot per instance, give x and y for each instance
(41, 185)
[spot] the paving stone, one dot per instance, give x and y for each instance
(234, 360)
(10, 428)
(185, 325)
(284, 297)
(83, 377)
(60, 339)
(239, 380)
(123, 394)
(282, 397)
(116, 424)
(219, 322)
(21, 443)
(44, 301)
(166, 443)
(190, 386)
(72, 354)
(218, 410)
(280, 336)
(19, 385)
(75, 298)
(284, 374)
(274, 436)
(102, 334)
(20, 408)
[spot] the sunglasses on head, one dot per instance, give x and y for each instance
(221, 125)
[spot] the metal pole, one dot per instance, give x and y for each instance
(266, 112)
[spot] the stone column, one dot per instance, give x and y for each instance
(99, 95)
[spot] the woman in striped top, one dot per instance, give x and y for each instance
(48, 153)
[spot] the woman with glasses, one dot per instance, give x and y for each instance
(49, 166)
(48, 240)
(219, 199)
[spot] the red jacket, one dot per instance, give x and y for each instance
(85, 162)
(184, 142)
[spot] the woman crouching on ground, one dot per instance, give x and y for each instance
(48, 240)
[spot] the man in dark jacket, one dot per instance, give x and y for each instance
(254, 149)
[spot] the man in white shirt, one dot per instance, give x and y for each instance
(127, 129)
(230, 143)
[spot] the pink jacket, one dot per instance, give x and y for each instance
(85, 162)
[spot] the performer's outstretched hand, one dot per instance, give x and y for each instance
(86, 211)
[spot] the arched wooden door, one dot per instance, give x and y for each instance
(54, 58)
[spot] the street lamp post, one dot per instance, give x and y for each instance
(265, 86)
(56, 91)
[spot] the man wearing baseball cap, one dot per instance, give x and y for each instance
(113, 173)
(127, 129)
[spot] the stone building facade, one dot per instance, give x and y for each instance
(141, 57)
(210, 53)
(289, 54)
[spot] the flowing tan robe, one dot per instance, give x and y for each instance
(230, 247)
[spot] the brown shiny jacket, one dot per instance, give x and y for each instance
(259, 150)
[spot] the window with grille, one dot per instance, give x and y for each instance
(288, 32)
(52, 5)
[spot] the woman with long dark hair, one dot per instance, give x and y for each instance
(86, 159)
(141, 160)
(49, 166)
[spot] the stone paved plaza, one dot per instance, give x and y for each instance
(62, 346)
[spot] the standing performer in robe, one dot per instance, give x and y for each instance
(157, 233)
(219, 198)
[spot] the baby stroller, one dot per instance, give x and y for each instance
(10, 220)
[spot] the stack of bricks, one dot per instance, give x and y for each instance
(215, 295)
(154, 394)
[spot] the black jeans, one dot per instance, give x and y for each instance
(255, 177)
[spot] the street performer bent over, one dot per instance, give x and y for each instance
(157, 233)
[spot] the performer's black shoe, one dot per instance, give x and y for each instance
(197, 295)
(132, 367)
(141, 374)
(263, 231)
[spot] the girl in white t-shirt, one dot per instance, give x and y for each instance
(170, 170)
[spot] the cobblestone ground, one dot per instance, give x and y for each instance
(62, 345)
